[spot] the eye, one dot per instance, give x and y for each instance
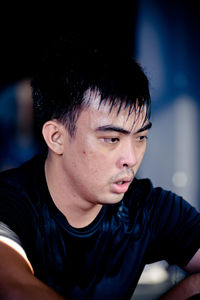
(142, 138)
(110, 140)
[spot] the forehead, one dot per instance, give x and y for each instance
(100, 113)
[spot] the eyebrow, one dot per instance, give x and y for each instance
(122, 130)
(146, 127)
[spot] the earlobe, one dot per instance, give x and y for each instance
(53, 135)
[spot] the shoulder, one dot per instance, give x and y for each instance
(161, 206)
(22, 175)
(21, 187)
(144, 195)
(20, 194)
(140, 192)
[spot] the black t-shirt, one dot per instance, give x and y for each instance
(103, 260)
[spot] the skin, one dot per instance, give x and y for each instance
(97, 165)
(17, 282)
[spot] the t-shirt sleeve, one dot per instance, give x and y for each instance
(6, 232)
(174, 228)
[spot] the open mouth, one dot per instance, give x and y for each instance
(121, 186)
(121, 182)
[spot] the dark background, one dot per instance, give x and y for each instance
(26, 33)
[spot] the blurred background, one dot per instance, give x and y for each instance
(164, 37)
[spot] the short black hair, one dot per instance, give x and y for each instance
(68, 72)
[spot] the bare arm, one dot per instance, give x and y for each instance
(17, 280)
(189, 286)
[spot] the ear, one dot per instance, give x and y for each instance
(53, 132)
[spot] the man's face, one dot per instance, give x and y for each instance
(102, 158)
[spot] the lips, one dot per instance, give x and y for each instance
(121, 186)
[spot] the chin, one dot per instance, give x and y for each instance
(113, 199)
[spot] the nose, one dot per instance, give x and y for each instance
(127, 159)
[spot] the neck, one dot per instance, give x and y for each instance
(78, 212)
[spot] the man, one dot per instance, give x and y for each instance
(75, 222)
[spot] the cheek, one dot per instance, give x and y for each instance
(95, 162)
(140, 158)
(143, 152)
(141, 155)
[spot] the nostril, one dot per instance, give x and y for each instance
(125, 165)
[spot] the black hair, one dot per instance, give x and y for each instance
(66, 74)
